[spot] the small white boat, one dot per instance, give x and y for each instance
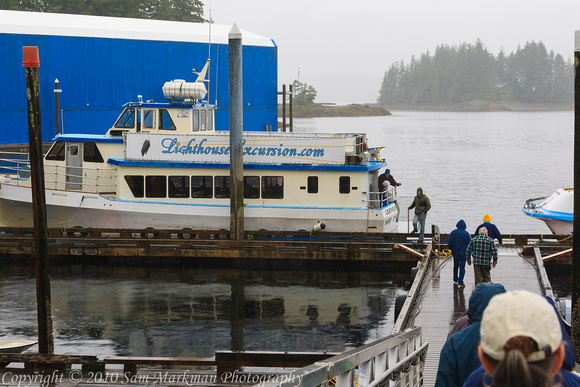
(15, 346)
(556, 210)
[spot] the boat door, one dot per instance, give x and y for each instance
(74, 166)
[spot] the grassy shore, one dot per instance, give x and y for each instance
(353, 110)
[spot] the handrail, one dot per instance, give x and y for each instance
(398, 358)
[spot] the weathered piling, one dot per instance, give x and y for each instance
(576, 233)
(45, 338)
(236, 134)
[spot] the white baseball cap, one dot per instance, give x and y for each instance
(519, 313)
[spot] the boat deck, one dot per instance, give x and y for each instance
(443, 303)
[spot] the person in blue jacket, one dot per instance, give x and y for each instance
(492, 230)
(476, 379)
(458, 241)
(458, 357)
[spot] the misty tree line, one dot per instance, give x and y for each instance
(468, 72)
(177, 10)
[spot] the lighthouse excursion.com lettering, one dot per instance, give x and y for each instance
(174, 146)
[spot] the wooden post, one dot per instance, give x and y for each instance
(576, 227)
(290, 109)
(283, 108)
(45, 336)
(236, 134)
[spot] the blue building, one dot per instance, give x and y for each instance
(103, 62)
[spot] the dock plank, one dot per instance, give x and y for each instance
(443, 303)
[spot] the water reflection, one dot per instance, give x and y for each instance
(193, 312)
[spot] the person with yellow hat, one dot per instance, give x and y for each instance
(492, 230)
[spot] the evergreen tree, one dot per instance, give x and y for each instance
(469, 72)
(303, 94)
(177, 10)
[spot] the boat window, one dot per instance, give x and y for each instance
(127, 119)
(272, 187)
(91, 153)
(209, 120)
(222, 186)
(56, 153)
(312, 184)
(148, 119)
(74, 150)
(202, 123)
(201, 187)
(196, 120)
(136, 185)
(252, 187)
(344, 184)
(178, 186)
(155, 186)
(165, 121)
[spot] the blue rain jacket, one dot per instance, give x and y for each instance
(458, 240)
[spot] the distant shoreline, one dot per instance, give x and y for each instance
(370, 110)
(484, 107)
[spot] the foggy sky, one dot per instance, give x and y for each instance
(344, 48)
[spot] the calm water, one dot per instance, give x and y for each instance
(469, 164)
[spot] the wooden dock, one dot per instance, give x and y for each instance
(443, 303)
(147, 247)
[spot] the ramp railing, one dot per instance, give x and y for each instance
(397, 358)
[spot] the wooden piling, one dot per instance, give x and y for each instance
(576, 232)
(45, 337)
(236, 134)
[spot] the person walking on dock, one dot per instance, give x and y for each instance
(484, 253)
(422, 205)
(458, 357)
(521, 342)
(492, 230)
(458, 241)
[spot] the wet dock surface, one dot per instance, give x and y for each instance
(443, 302)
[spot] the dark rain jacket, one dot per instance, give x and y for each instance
(458, 357)
(492, 231)
(421, 203)
(568, 378)
(458, 240)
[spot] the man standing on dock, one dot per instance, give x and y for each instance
(421, 204)
(484, 251)
(458, 241)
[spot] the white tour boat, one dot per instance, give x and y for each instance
(556, 210)
(162, 165)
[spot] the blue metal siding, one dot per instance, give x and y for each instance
(99, 75)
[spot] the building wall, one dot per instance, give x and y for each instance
(98, 75)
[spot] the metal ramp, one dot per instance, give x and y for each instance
(443, 303)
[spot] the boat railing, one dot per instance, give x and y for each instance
(396, 360)
(12, 162)
(60, 177)
(383, 198)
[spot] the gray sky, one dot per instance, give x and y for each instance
(343, 48)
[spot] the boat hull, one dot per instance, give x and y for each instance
(15, 346)
(557, 210)
(67, 209)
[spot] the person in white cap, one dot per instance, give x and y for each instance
(521, 342)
